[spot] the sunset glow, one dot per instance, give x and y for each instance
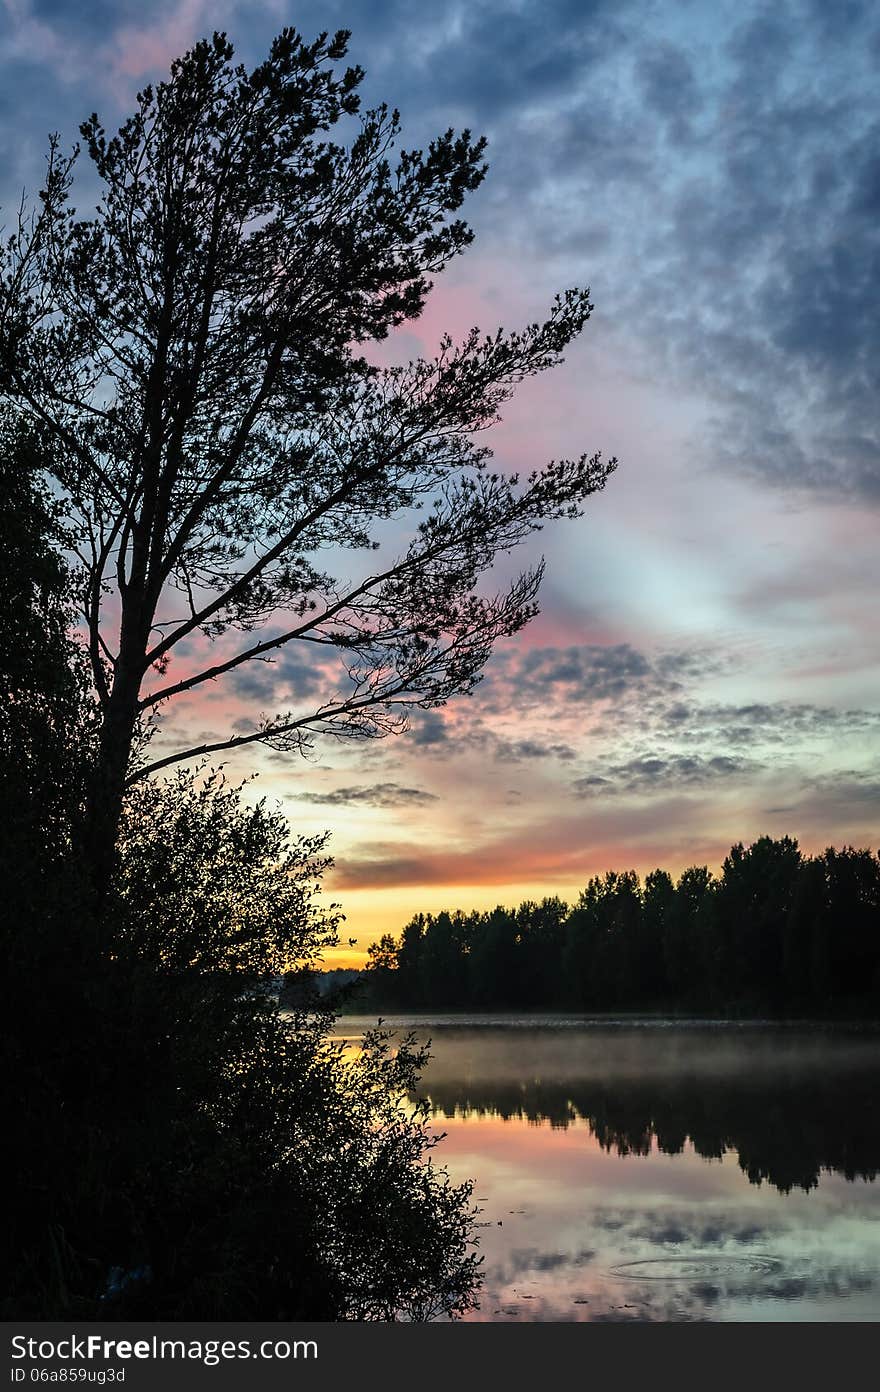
(706, 665)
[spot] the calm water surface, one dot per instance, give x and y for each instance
(660, 1171)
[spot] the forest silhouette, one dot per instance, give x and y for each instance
(776, 932)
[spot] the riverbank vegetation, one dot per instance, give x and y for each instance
(179, 1147)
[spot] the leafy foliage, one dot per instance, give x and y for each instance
(251, 902)
(181, 1147)
(42, 674)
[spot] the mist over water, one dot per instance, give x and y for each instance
(663, 1170)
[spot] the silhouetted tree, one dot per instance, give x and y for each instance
(44, 750)
(224, 901)
(601, 941)
(657, 909)
(806, 941)
(541, 935)
(194, 354)
(192, 1151)
(443, 964)
(692, 947)
(381, 974)
(181, 1147)
(492, 961)
(577, 958)
(853, 933)
(622, 905)
(45, 730)
(410, 959)
(754, 896)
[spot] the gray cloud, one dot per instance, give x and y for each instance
(846, 796)
(751, 138)
(516, 751)
(588, 674)
(377, 795)
(747, 134)
(769, 247)
(778, 723)
(426, 728)
(666, 773)
(688, 744)
(290, 676)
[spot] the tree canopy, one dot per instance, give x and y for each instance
(195, 356)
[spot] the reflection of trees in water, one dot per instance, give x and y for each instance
(788, 1119)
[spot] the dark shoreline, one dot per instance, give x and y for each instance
(519, 1019)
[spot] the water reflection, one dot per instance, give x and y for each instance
(666, 1173)
(790, 1104)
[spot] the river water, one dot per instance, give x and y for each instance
(655, 1170)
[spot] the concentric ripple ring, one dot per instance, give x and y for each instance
(699, 1266)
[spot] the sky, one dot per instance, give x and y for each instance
(705, 666)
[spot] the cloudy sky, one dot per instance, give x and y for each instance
(705, 668)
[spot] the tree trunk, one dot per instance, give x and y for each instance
(104, 805)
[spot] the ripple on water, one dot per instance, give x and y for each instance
(699, 1266)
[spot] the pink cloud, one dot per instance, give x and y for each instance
(136, 50)
(561, 849)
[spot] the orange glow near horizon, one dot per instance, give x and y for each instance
(370, 913)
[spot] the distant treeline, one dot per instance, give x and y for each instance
(776, 931)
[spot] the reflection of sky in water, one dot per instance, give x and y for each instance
(572, 1214)
(576, 1224)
